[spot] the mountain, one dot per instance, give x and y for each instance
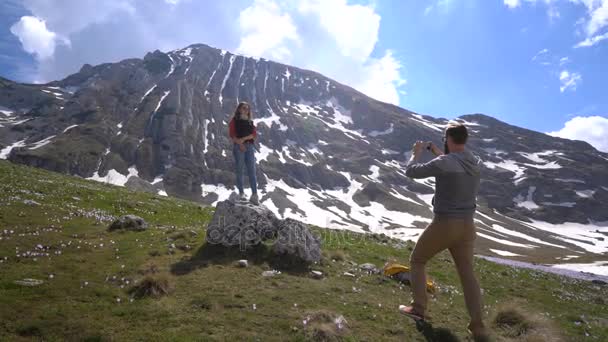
(327, 154)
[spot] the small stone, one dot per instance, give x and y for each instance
(317, 274)
(242, 263)
(270, 273)
(340, 322)
(349, 274)
(369, 267)
(31, 203)
(29, 282)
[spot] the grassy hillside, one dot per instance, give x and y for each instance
(89, 277)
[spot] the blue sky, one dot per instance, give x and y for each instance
(477, 56)
(538, 64)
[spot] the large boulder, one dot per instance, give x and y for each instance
(129, 222)
(245, 225)
(296, 240)
(138, 184)
(241, 224)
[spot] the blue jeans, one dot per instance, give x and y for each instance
(246, 159)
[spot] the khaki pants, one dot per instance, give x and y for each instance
(457, 235)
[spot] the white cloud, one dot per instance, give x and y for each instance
(539, 54)
(569, 80)
(592, 129)
(552, 12)
(512, 3)
(69, 16)
(440, 5)
(329, 36)
(598, 11)
(381, 77)
(595, 20)
(353, 27)
(265, 30)
(35, 37)
(590, 41)
(564, 60)
(109, 31)
(333, 37)
(445, 4)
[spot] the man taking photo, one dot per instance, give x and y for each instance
(456, 173)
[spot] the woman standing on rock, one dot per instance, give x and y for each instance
(243, 133)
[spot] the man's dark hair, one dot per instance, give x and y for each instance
(458, 132)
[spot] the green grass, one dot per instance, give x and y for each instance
(210, 298)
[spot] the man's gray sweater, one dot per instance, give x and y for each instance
(456, 182)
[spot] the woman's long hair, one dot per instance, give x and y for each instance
(237, 111)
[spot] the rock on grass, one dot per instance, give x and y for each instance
(155, 286)
(296, 240)
(129, 222)
(325, 326)
(516, 323)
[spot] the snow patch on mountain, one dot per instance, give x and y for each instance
(263, 153)
(510, 165)
(493, 150)
(418, 118)
(513, 233)
(598, 267)
(273, 118)
(172, 69)
(561, 204)
(42, 142)
(7, 150)
(504, 253)
(231, 61)
(505, 242)
(114, 177)
(6, 111)
(585, 193)
(69, 128)
(220, 190)
(550, 165)
(568, 180)
(385, 132)
(526, 202)
(537, 156)
(586, 236)
(373, 216)
(147, 92)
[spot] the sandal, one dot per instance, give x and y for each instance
(411, 313)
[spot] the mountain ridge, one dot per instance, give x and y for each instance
(327, 154)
